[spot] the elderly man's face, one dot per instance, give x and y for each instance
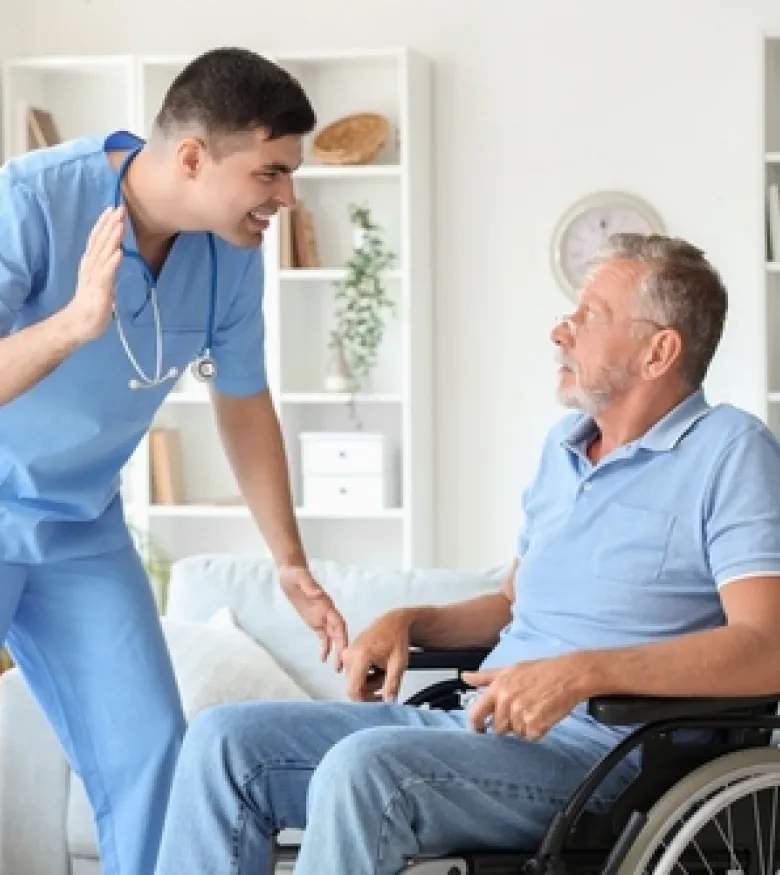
(598, 347)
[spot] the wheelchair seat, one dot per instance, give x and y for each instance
(704, 802)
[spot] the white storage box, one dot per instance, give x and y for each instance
(347, 472)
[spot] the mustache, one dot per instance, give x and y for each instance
(562, 359)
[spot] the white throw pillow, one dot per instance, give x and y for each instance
(217, 662)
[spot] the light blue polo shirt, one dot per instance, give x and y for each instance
(635, 548)
(64, 441)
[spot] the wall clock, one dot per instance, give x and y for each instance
(583, 228)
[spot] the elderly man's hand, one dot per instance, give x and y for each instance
(377, 659)
(530, 697)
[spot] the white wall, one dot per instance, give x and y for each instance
(536, 104)
(12, 26)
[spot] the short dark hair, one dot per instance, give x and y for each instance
(233, 91)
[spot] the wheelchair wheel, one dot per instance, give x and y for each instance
(701, 823)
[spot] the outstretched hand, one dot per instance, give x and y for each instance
(317, 610)
(91, 307)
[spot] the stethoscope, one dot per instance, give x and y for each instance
(203, 367)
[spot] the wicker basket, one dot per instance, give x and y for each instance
(354, 139)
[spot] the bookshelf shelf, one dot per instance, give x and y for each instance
(340, 399)
(324, 274)
(391, 513)
(94, 94)
(362, 172)
(177, 397)
(206, 511)
(770, 244)
(241, 512)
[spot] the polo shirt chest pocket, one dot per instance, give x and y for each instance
(631, 543)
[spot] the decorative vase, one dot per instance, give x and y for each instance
(337, 373)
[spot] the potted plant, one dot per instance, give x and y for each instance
(156, 563)
(362, 302)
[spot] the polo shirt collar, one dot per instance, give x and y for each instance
(663, 436)
(669, 431)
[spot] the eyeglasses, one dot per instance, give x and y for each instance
(586, 319)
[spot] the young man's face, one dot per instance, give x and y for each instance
(237, 191)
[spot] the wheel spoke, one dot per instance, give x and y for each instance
(759, 837)
(772, 831)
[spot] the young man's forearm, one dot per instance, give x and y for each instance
(253, 442)
(30, 355)
(733, 660)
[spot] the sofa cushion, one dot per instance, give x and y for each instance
(248, 585)
(217, 662)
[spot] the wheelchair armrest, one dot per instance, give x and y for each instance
(460, 659)
(629, 710)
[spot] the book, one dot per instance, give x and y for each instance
(166, 467)
(305, 248)
(41, 129)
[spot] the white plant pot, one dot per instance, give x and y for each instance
(337, 374)
(359, 237)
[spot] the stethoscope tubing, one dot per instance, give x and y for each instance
(204, 366)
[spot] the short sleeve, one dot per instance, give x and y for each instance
(22, 242)
(239, 339)
(742, 517)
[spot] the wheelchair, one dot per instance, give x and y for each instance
(705, 802)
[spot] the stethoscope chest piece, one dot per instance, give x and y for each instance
(204, 367)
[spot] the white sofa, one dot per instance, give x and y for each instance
(46, 825)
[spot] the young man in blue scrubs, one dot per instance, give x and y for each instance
(649, 565)
(121, 262)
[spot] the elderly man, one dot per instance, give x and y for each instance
(649, 564)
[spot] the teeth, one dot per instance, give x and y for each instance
(255, 214)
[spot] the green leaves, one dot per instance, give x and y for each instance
(362, 300)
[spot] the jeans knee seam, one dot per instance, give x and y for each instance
(235, 836)
(406, 783)
(272, 765)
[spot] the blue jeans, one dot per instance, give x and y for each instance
(86, 636)
(372, 783)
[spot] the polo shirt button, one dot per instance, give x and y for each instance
(587, 486)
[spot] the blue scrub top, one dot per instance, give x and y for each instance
(64, 442)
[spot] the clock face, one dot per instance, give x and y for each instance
(587, 225)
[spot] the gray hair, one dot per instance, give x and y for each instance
(680, 290)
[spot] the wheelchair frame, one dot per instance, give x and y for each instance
(581, 840)
(577, 840)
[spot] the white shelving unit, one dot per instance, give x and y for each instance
(89, 95)
(85, 95)
(771, 258)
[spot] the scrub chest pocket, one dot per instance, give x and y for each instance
(631, 543)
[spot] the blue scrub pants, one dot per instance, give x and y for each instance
(86, 636)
